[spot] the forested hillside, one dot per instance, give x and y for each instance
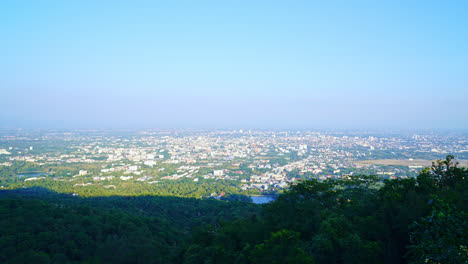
(419, 220)
(354, 220)
(40, 226)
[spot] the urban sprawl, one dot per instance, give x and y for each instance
(261, 161)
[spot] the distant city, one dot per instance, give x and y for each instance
(249, 161)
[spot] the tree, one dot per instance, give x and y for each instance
(441, 237)
(446, 172)
(283, 246)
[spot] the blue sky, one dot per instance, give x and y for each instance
(234, 64)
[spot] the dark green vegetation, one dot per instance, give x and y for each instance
(416, 220)
(39, 226)
(420, 220)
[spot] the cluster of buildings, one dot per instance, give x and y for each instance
(265, 160)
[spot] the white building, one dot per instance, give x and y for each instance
(4, 151)
(218, 172)
(150, 163)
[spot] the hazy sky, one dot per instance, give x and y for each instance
(237, 64)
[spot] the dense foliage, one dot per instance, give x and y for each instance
(420, 220)
(353, 220)
(38, 232)
(40, 226)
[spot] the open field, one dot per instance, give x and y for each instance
(416, 162)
